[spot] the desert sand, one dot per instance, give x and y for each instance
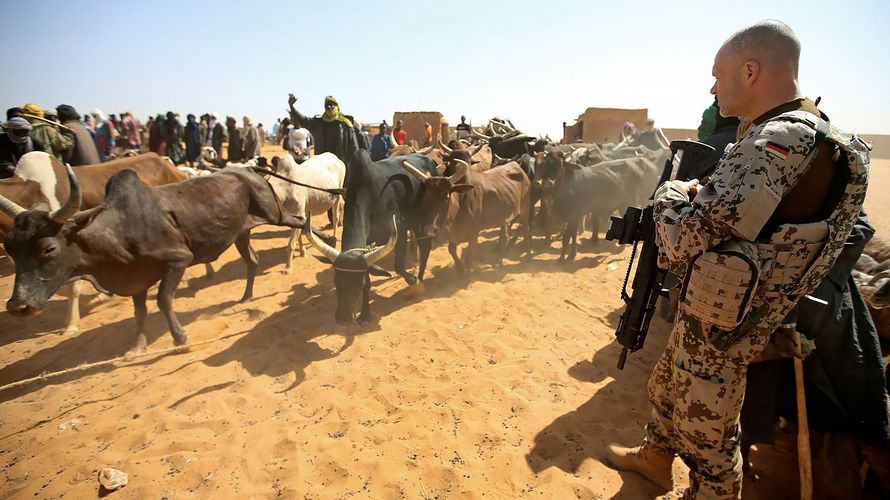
(505, 389)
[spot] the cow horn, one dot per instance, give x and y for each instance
(461, 171)
(503, 125)
(328, 251)
(379, 253)
(10, 207)
(425, 150)
(478, 148)
(421, 176)
(74, 199)
(443, 146)
(480, 134)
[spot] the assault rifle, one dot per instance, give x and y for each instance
(635, 226)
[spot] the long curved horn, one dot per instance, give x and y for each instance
(328, 251)
(379, 253)
(503, 125)
(421, 176)
(425, 150)
(74, 199)
(478, 148)
(442, 146)
(10, 208)
(480, 134)
(461, 171)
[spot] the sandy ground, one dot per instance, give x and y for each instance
(505, 389)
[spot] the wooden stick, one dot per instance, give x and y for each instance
(804, 458)
(26, 115)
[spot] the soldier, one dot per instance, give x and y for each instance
(755, 238)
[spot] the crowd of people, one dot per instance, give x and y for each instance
(95, 137)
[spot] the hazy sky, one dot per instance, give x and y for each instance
(537, 63)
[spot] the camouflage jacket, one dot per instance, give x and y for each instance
(54, 142)
(742, 195)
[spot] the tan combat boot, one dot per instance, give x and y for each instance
(654, 466)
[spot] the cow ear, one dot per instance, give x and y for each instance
(81, 220)
(324, 260)
(461, 188)
(376, 270)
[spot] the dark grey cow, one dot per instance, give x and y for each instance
(571, 191)
(381, 207)
(138, 236)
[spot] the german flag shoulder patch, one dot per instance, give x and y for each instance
(777, 150)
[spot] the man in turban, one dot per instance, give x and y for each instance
(15, 143)
(54, 142)
(333, 131)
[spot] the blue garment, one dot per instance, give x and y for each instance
(380, 146)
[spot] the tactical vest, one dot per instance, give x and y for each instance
(793, 261)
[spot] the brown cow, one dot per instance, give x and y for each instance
(40, 181)
(494, 198)
(36, 180)
(34, 183)
(138, 236)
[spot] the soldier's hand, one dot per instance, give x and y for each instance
(291, 99)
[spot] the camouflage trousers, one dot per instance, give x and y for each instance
(696, 391)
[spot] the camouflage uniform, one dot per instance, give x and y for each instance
(698, 384)
(54, 142)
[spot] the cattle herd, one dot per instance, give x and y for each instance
(129, 223)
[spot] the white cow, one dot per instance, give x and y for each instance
(324, 171)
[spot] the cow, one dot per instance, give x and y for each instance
(35, 185)
(494, 198)
(878, 249)
(324, 171)
(37, 174)
(570, 191)
(381, 206)
(480, 158)
(191, 172)
(138, 236)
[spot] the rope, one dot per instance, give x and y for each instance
(120, 361)
(332, 191)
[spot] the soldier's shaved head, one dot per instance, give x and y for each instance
(756, 70)
(771, 43)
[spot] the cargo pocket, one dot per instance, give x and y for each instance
(707, 401)
(719, 287)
